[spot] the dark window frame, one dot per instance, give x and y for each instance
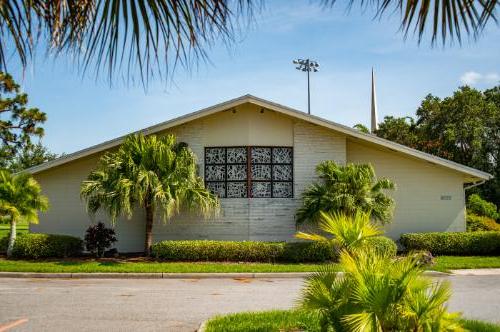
(249, 164)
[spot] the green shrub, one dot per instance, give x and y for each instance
(481, 223)
(244, 251)
(382, 245)
(481, 207)
(35, 246)
(471, 244)
(300, 252)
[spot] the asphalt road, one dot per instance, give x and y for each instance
(178, 304)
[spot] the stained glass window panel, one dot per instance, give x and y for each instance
(261, 155)
(215, 156)
(261, 172)
(215, 172)
(282, 155)
(282, 172)
(236, 155)
(261, 189)
(236, 189)
(236, 172)
(218, 188)
(282, 189)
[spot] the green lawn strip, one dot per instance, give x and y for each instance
(5, 229)
(447, 263)
(444, 263)
(89, 266)
(291, 320)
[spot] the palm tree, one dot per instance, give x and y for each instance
(349, 233)
(346, 189)
(155, 173)
(156, 35)
(20, 200)
(377, 293)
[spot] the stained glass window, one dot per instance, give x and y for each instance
(257, 171)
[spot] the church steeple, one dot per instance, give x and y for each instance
(374, 116)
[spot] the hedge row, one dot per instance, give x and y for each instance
(35, 246)
(252, 251)
(470, 243)
(244, 251)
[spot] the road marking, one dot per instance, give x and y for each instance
(8, 326)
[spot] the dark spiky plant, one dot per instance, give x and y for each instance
(346, 189)
(154, 173)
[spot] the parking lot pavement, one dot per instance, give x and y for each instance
(178, 304)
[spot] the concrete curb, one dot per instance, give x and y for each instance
(160, 275)
(203, 326)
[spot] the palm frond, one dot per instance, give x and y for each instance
(141, 38)
(443, 19)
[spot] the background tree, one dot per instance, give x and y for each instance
(154, 36)
(18, 123)
(20, 200)
(464, 128)
(156, 173)
(28, 156)
(346, 189)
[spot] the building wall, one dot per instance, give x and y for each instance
(240, 219)
(428, 197)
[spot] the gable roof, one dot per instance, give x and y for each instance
(471, 172)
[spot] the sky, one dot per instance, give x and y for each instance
(83, 111)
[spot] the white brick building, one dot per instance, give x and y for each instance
(260, 156)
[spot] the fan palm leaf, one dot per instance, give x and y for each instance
(142, 38)
(443, 19)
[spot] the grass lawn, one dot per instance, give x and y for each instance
(145, 266)
(446, 263)
(289, 320)
(5, 229)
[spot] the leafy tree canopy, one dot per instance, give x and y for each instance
(464, 128)
(30, 155)
(18, 123)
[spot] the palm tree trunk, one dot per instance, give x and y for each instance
(149, 229)
(12, 237)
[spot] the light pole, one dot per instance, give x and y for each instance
(308, 66)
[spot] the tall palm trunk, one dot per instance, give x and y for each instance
(149, 229)
(12, 237)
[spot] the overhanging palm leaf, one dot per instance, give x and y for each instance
(146, 38)
(152, 172)
(446, 19)
(152, 36)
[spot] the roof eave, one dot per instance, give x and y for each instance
(273, 106)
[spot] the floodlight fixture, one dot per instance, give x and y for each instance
(307, 65)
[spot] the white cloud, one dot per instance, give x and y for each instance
(473, 78)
